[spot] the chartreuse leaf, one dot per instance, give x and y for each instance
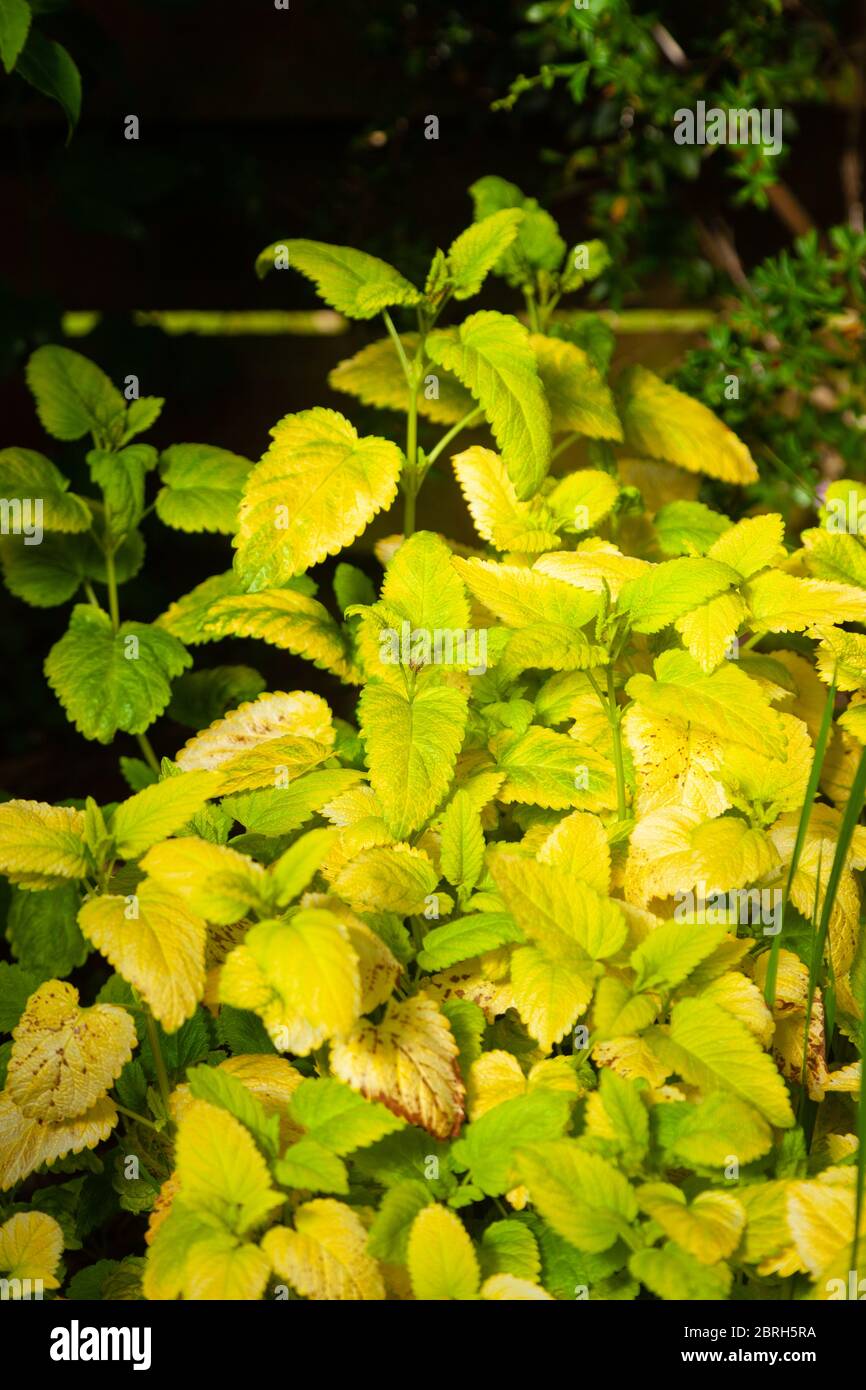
(667, 591)
(538, 245)
(14, 25)
(160, 810)
(107, 680)
(709, 1227)
(272, 718)
(64, 1058)
(672, 1273)
(375, 375)
(489, 1144)
(73, 396)
(522, 597)
(462, 843)
(712, 1049)
(212, 880)
(31, 1244)
(422, 587)
(617, 1122)
(156, 943)
(351, 281)
(335, 1116)
(287, 619)
(390, 878)
(389, 1233)
(780, 602)
(707, 1134)
(310, 1167)
(221, 1172)
(291, 873)
(499, 516)
(491, 354)
(41, 846)
(408, 1062)
(301, 976)
(31, 483)
(509, 1247)
(663, 423)
(201, 488)
(441, 1258)
(279, 810)
(467, 937)
(412, 741)
(669, 954)
(220, 1088)
(751, 545)
(314, 492)
(726, 703)
(688, 528)
(582, 1196)
(474, 253)
(578, 397)
(325, 1257)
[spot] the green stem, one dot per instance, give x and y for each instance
(616, 731)
(531, 307)
(133, 1115)
(159, 1064)
(111, 577)
(468, 419)
(401, 351)
(566, 443)
(91, 596)
(147, 751)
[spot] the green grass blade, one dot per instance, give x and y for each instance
(811, 789)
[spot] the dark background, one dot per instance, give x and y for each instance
(256, 124)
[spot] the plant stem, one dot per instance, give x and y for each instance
(401, 351)
(468, 419)
(565, 443)
(159, 1064)
(111, 578)
(133, 1115)
(147, 750)
(616, 731)
(91, 596)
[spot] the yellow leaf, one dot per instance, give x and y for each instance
(663, 423)
(442, 1262)
(223, 1269)
(272, 1080)
(26, 1144)
(676, 763)
(708, 631)
(220, 1170)
(783, 603)
(493, 1077)
(521, 597)
(409, 1063)
(325, 1257)
(499, 517)
(41, 846)
(313, 493)
(593, 565)
(273, 716)
(160, 810)
(820, 1217)
(412, 741)
(509, 1287)
(579, 846)
(287, 619)
(214, 881)
(709, 1227)
(578, 397)
(31, 1244)
(156, 943)
(388, 878)
(752, 545)
(300, 975)
(64, 1058)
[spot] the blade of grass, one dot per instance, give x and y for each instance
(811, 789)
(850, 817)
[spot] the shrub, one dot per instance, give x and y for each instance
(543, 980)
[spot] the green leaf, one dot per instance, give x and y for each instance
(462, 842)
(107, 681)
(509, 1247)
(279, 810)
(310, 1167)
(582, 1196)
(412, 743)
(492, 355)
(538, 245)
(352, 282)
(314, 492)
(673, 1274)
(74, 397)
(688, 528)
(221, 1088)
(202, 488)
(121, 477)
(487, 1146)
(141, 413)
(422, 587)
(468, 937)
(185, 619)
(473, 254)
(242, 1032)
(14, 25)
(617, 1120)
(200, 698)
(16, 986)
(291, 873)
(160, 810)
(48, 67)
(28, 478)
(707, 1134)
(669, 954)
(352, 586)
(667, 591)
(339, 1118)
(586, 261)
(43, 931)
(42, 575)
(728, 703)
(388, 1239)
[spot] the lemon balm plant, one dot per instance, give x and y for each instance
(541, 978)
